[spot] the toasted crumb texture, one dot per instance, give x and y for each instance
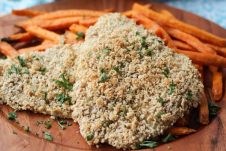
(130, 86)
(40, 81)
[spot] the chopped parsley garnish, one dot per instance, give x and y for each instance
(64, 83)
(26, 71)
(48, 124)
(143, 42)
(213, 109)
(116, 69)
(61, 123)
(166, 71)
(45, 95)
(21, 61)
(62, 98)
(90, 136)
(48, 136)
(149, 52)
(13, 69)
(172, 88)
(161, 101)
(26, 129)
(80, 35)
(149, 144)
(106, 51)
(189, 95)
(168, 138)
(103, 76)
(123, 111)
(160, 114)
(42, 70)
(12, 116)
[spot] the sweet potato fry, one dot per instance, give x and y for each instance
(154, 27)
(217, 85)
(21, 37)
(220, 50)
(27, 12)
(204, 58)
(174, 23)
(8, 50)
(167, 13)
(203, 110)
(178, 131)
(43, 34)
(88, 22)
(182, 45)
(189, 39)
(77, 28)
(40, 47)
(71, 13)
(53, 24)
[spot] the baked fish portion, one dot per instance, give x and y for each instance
(39, 81)
(130, 87)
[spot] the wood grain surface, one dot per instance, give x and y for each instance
(209, 138)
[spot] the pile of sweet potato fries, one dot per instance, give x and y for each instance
(69, 26)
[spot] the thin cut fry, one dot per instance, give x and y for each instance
(21, 37)
(88, 22)
(77, 28)
(182, 45)
(35, 48)
(154, 27)
(189, 39)
(204, 58)
(8, 50)
(174, 23)
(27, 12)
(167, 13)
(53, 24)
(204, 110)
(217, 85)
(44, 34)
(70, 13)
(219, 50)
(178, 131)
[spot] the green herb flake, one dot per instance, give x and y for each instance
(168, 138)
(90, 136)
(103, 76)
(149, 52)
(22, 61)
(116, 69)
(62, 98)
(48, 136)
(161, 101)
(172, 88)
(48, 124)
(189, 95)
(37, 123)
(123, 111)
(160, 114)
(166, 72)
(106, 51)
(213, 109)
(26, 71)
(64, 83)
(42, 70)
(13, 69)
(12, 116)
(61, 124)
(80, 35)
(143, 42)
(149, 144)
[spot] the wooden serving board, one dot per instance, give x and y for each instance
(209, 138)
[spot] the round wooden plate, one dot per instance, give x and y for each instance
(13, 137)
